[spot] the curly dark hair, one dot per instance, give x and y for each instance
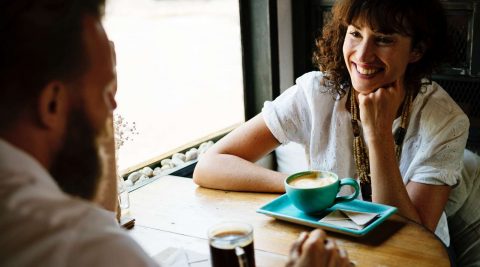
(422, 20)
(41, 41)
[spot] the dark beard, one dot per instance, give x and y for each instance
(77, 167)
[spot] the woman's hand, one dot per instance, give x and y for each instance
(315, 249)
(379, 109)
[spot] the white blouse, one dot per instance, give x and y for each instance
(433, 146)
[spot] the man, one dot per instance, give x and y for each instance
(57, 86)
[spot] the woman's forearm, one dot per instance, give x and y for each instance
(387, 183)
(229, 172)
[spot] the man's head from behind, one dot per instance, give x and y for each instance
(56, 86)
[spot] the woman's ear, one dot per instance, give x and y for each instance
(417, 53)
(52, 103)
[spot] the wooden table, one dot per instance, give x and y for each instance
(174, 212)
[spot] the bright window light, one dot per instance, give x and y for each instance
(179, 71)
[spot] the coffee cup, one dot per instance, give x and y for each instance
(231, 244)
(314, 191)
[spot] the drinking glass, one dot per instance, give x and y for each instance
(123, 198)
(231, 244)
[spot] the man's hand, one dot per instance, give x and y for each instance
(315, 249)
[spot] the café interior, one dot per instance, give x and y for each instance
(277, 40)
(173, 219)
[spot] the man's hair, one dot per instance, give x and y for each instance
(41, 41)
(422, 20)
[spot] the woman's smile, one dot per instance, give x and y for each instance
(366, 70)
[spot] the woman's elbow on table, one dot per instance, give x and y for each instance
(212, 172)
(202, 170)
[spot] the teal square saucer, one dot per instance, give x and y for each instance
(281, 208)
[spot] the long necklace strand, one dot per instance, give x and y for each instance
(360, 155)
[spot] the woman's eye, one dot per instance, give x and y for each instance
(384, 40)
(355, 34)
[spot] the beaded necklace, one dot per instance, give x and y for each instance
(360, 155)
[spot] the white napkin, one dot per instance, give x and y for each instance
(349, 218)
(179, 257)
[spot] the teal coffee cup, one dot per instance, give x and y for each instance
(314, 191)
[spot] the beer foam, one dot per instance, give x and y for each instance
(231, 240)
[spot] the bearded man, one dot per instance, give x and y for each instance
(57, 86)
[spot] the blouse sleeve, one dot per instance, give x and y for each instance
(288, 116)
(441, 140)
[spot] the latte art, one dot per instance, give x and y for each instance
(314, 191)
(311, 181)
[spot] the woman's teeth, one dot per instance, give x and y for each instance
(366, 71)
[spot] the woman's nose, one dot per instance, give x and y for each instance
(366, 51)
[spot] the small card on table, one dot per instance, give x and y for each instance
(349, 218)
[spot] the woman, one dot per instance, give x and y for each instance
(369, 114)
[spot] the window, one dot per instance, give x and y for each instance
(179, 65)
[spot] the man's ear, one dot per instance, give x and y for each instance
(52, 105)
(417, 53)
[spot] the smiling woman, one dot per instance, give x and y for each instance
(179, 71)
(371, 113)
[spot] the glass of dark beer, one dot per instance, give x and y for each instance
(231, 244)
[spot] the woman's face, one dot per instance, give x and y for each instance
(375, 59)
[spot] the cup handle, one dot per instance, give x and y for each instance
(351, 182)
(242, 257)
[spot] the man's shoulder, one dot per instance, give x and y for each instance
(108, 246)
(55, 231)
